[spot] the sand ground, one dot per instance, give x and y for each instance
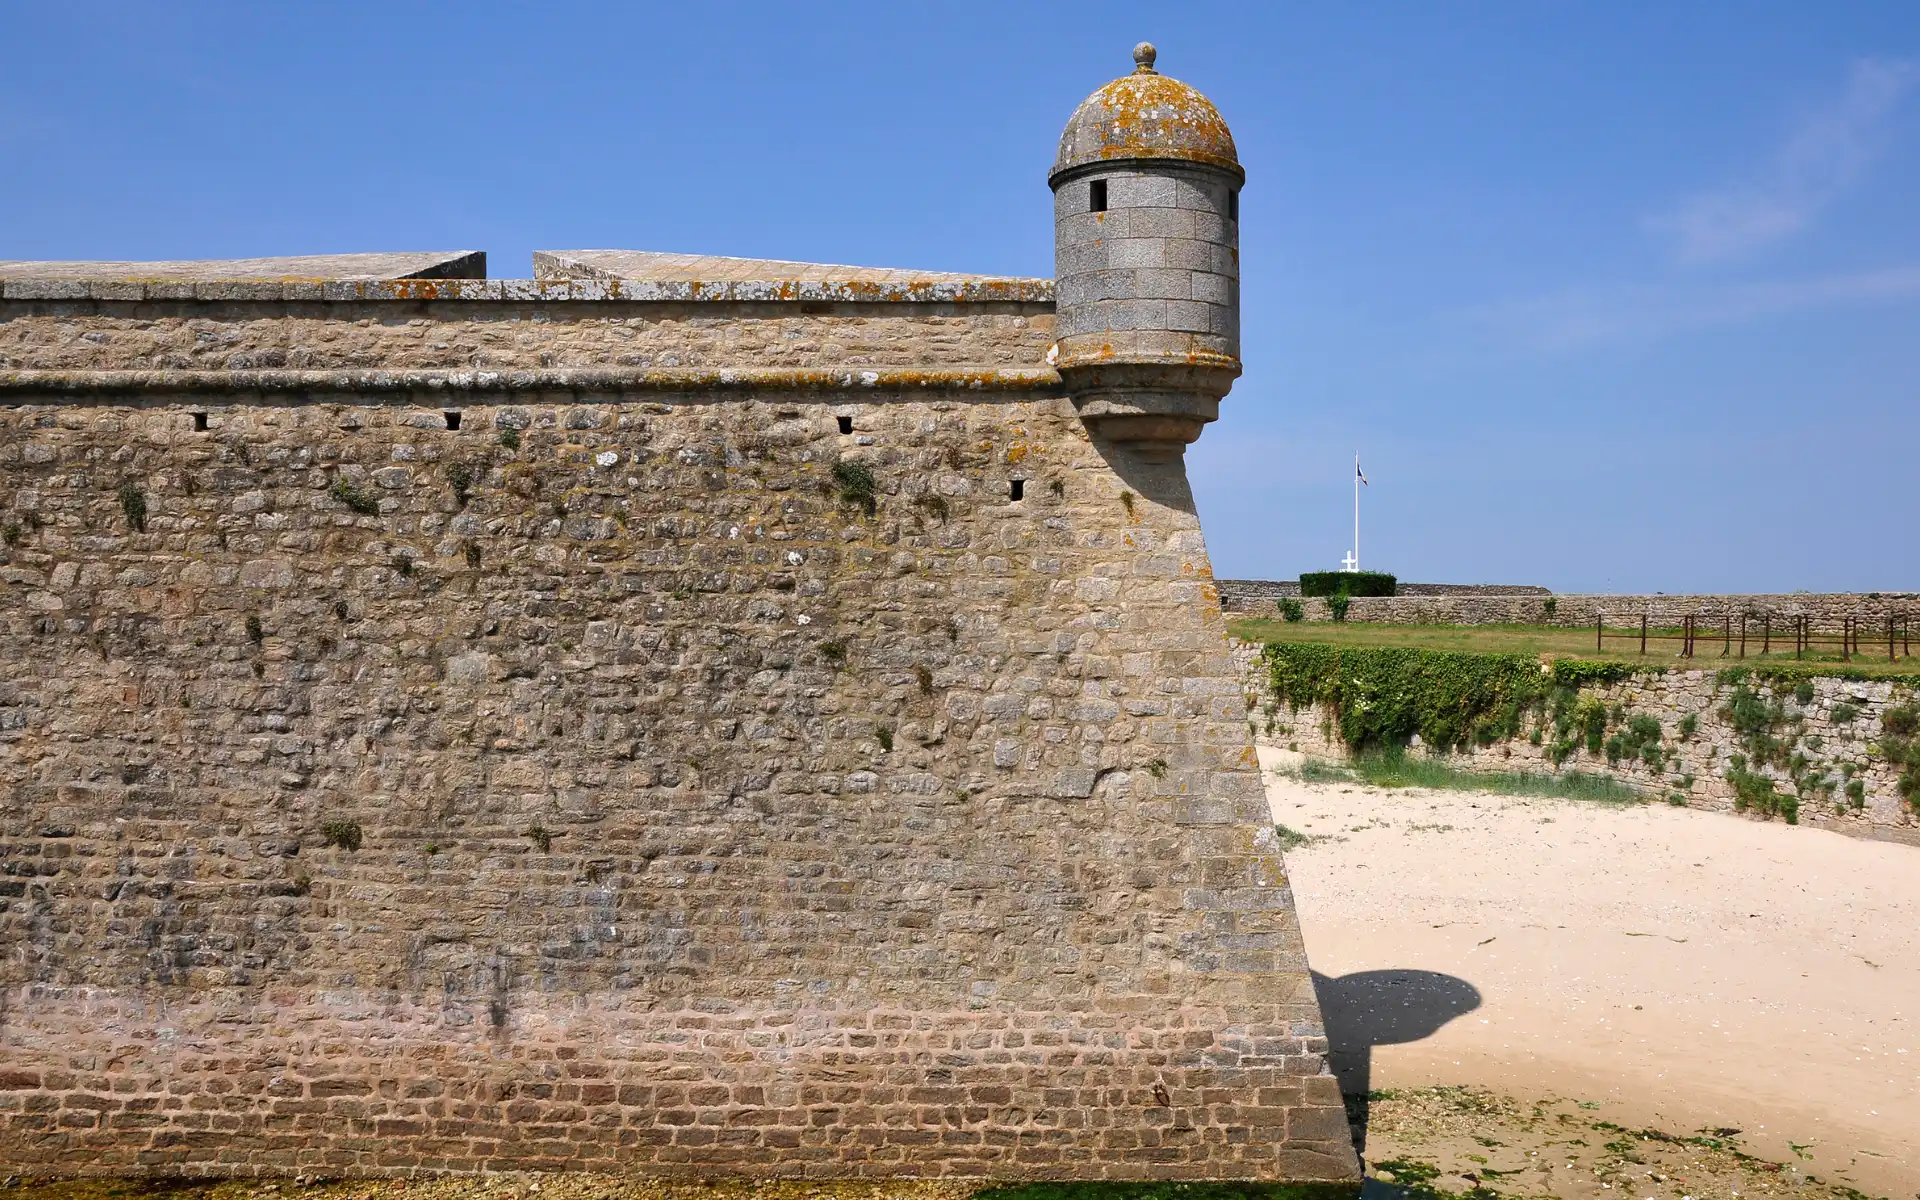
(1682, 970)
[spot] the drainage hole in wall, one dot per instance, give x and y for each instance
(846, 424)
(453, 419)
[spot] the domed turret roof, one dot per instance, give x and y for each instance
(1146, 115)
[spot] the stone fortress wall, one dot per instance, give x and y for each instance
(1836, 730)
(691, 716)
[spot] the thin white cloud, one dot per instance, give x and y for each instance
(1581, 319)
(1820, 162)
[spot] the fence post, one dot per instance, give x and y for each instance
(1743, 635)
(1686, 635)
(1766, 633)
(1726, 634)
(1846, 640)
(1799, 633)
(1597, 619)
(1643, 635)
(1890, 657)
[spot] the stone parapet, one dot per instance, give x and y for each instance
(431, 333)
(566, 290)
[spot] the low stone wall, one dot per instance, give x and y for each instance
(1242, 595)
(1695, 768)
(1825, 610)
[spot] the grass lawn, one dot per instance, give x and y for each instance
(1393, 768)
(1561, 641)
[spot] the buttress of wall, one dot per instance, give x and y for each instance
(394, 334)
(621, 793)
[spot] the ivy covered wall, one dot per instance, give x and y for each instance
(1827, 750)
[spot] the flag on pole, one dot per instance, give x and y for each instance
(1358, 473)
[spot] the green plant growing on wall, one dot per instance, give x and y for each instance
(255, 632)
(1337, 605)
(1384, 695)
(460, 479)
(1126, 502)
(473, 556)
(1857, 793)
(1756, 721)
(341, 612)
(1157, 768)
(541, 837)
(402, 566)
(342, 833)
(1290, 609)
(934, 503)
(1754, 792)
(1640, 738)
(923, 677)
(133, 504)
(1689, 725)
(1058, 487)
(1803, 693)
(1900, 747)
(1549, 606)
(1845, 713)
(835, 653)
(884, 736)
(12, 534)
(857, 485)
(509, 438)
(354, 498)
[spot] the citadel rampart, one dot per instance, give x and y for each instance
(719, 718)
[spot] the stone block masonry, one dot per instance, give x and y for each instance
(625, 798)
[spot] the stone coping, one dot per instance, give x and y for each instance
(969, 290)
(14, 385)
(300, 268)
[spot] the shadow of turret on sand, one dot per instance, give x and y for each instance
(1382, 1008)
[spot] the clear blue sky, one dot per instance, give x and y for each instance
(1607, 295)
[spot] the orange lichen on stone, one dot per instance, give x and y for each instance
(1147, 115)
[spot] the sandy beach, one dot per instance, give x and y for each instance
(1678, 969)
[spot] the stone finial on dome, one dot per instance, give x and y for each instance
(1143, 56)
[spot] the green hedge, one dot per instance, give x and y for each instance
(1353, 583)
(1384, 695)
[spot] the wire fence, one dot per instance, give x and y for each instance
(1856, 637)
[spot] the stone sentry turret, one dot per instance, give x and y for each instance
(1146, 204)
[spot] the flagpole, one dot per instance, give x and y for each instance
(1356, 510)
